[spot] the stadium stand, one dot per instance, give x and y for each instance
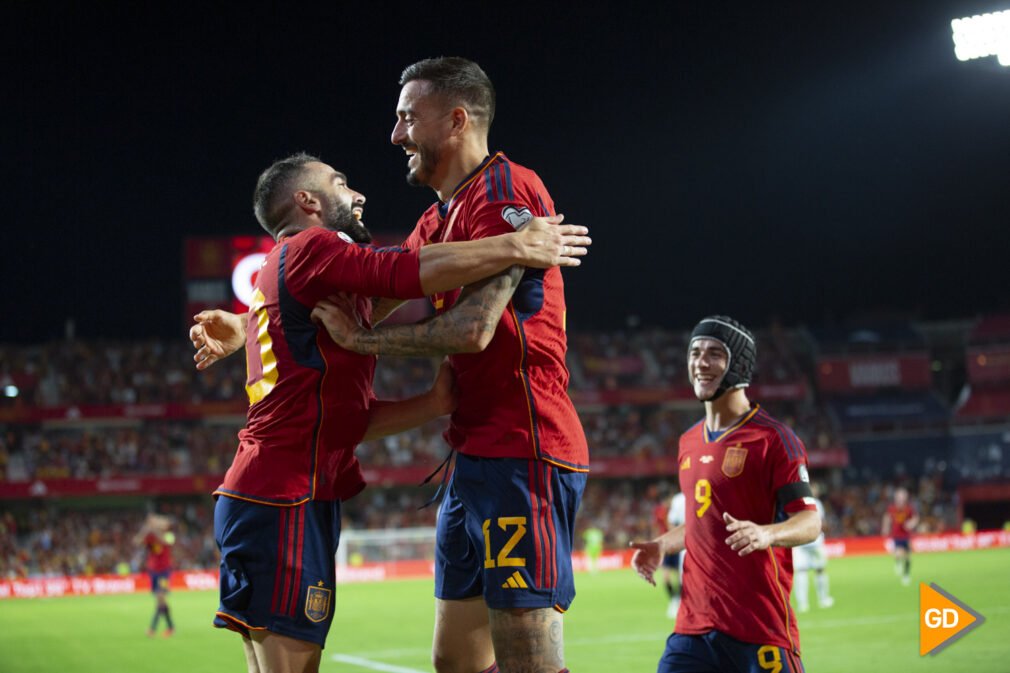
(93, 434)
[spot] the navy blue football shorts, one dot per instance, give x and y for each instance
(160, 581)
(506, 532)
(278, 567)
(901, 543)
(715, 652)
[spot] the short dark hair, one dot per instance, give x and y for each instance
(273, 189)
(460, 80)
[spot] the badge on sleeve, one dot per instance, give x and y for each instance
(517, 217)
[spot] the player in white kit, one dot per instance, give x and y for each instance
(809, 557)
(672, 562)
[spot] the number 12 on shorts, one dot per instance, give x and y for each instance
(503, 558)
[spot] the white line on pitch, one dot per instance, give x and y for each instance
(393, 654)
(883, 619)
(640, 637)
(373, 665)
(620, 638)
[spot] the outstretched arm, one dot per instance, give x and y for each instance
(216, 335)
(467, 327)
(648, 555)
(544, 242)
(746, 536)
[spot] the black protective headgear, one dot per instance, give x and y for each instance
(740, 348)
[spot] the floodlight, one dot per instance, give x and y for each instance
(982, 35)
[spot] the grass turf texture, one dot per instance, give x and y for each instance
(617, 623)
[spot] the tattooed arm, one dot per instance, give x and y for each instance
(467, 327)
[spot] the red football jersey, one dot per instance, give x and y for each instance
(159, 553)
(741, 472)
(308, 397)
(899, 517)
(514, 395)
(659, 518)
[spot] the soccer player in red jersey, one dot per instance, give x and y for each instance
(157, 538)
(503, 573)
(277, 516)
(899, 521)
(745, 478)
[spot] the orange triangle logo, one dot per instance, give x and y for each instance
(943, 619)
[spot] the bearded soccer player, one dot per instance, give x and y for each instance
(899, 521)
(503, 572)
(157, 539)
(277, 516)
(745, 478)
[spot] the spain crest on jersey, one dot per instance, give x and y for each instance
(317, 603)
(733, 461)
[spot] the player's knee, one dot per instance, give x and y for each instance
(450, 662)
(440, 662)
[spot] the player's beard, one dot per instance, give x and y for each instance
(428, 158)
(338, 217)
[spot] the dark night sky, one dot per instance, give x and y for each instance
(805, 160)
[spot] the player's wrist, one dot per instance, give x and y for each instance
(515, 250)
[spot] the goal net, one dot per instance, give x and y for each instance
(360, 548)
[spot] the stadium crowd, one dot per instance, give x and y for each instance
(66, 539)
(70, 374)
(54, 540)
(165, 448)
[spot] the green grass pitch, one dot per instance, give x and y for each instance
(617, 624)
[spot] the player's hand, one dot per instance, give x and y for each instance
(215, 335)
(747, 536)
(338, 315)
(646, 559)
(545, 242)
(444, 392)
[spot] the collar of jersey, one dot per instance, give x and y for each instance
(736, 426)
(443, 208)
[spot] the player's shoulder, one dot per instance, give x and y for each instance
(501, 180)
(520, 174)
(779, 434)
(315, 237)
(692, 434)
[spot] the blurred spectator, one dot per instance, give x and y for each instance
(56, 540)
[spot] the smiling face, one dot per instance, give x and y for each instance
(423, 124)
(340, 207)
(707, 360)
